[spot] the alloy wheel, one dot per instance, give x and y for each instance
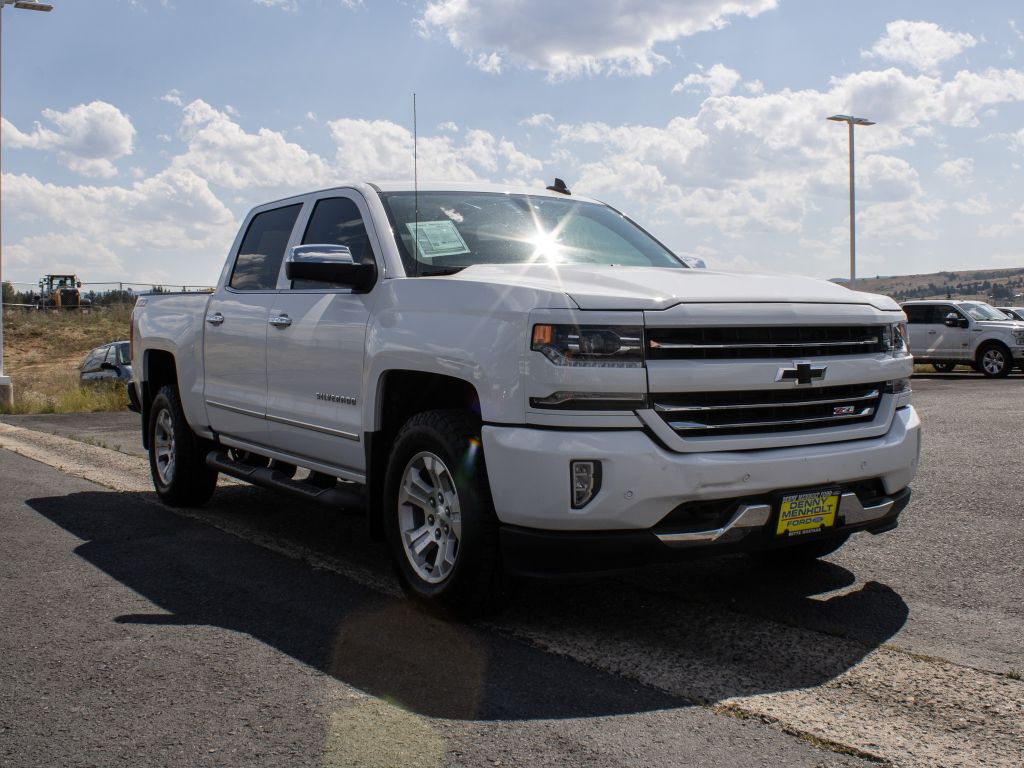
(429, 517)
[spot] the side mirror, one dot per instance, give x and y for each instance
(953, 320)
(329, 264)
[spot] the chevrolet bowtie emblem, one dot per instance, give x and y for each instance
(801, 373)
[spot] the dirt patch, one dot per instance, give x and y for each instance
(44, 350)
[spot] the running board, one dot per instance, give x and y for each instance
(268, 478)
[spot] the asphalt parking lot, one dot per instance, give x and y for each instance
(260, 632)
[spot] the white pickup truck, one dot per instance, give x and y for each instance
(520, 381)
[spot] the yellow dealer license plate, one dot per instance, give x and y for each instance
(807, 512)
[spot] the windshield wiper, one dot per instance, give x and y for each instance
(435, 271)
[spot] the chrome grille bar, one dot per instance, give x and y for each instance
(765, 411)
(754, 342)
(755, 345)
(686, 426)
(661, 408)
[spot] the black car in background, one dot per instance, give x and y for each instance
(111, 362)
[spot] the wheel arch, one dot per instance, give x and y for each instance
(400, 395)
(158, 369)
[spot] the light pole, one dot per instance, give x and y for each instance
(6, 388)
(852, 121)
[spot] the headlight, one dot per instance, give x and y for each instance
(590, 345)
(894, 339)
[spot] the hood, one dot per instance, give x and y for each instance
(1000, 325)
(653, 288)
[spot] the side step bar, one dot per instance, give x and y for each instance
(339, 496)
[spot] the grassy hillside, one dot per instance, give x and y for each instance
(43, 351)
(996, 286)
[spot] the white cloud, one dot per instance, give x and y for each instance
(65, 252)
(173, 97)
(974, 206)
(565, 41)
(293, 5)
(221, 151)
(921, 44)
(1013, 225)
(171, 217)
(914, 219)
(717, 81)
(1017, 141)
(380, 149)
(540, 120)
(958, 171)
(86, 138)
(766, 162)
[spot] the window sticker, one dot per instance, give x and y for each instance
(437, 238)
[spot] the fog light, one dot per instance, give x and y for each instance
(585, 480)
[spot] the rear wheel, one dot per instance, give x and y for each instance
(177, 456)
(440, 521)
(943, 367)
(994, 360)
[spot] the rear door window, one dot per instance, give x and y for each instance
(918, 314)
(262, 250)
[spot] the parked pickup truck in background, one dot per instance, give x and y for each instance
(951, 333)
(520, 381)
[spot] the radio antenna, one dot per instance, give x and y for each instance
(415, 190)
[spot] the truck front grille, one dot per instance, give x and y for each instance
(715, 414)
(740, 343)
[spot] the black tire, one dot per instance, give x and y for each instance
(437, 456)
(943, 367)
(994, 361)
(177, 456)
(803, 553)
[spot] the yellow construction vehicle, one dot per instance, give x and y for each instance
(61, 292)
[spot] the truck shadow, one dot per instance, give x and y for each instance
(721, 630)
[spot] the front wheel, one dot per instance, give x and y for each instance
(439, 517)
(994, 361)
(177, 456)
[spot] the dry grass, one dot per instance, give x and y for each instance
(42, 354)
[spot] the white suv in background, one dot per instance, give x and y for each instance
(947, 333)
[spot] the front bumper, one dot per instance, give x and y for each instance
(530, 551)
(642, 482)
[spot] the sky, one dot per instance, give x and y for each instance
(136, 134)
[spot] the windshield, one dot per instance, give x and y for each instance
(980, 311)
(459, 229)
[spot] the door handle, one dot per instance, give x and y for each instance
(215, 319)
(280, 321)
(932, 333)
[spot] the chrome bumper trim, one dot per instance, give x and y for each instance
(752, 516)
(854, 513)
(747, 517)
